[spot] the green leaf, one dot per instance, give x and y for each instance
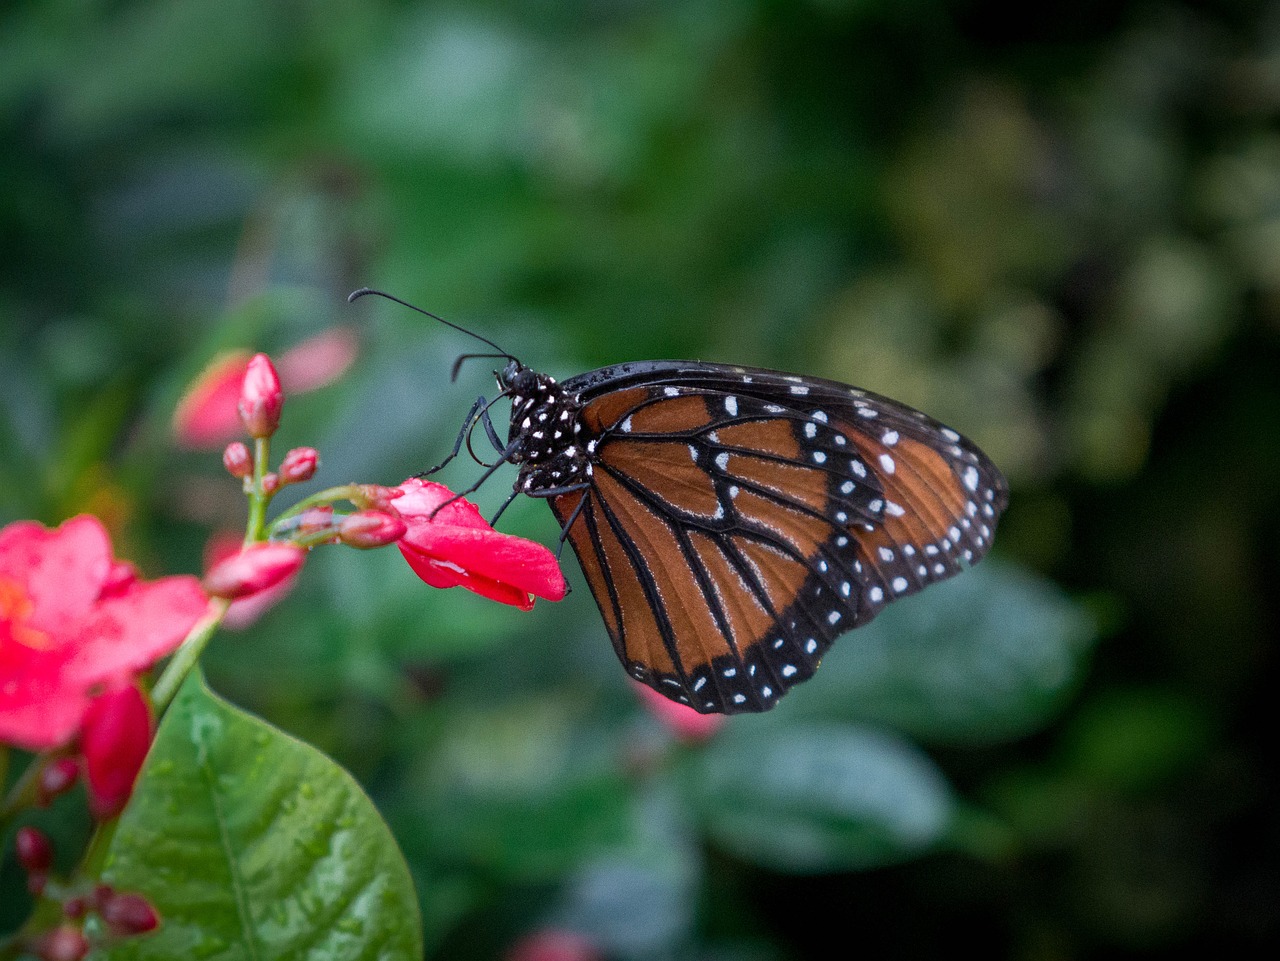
(820, 797)
(984, 657)
(254, 845)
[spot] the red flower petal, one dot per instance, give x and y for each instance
(61, 571)
(457, 547)
(206, 417)
(319, 360)
(128, 632)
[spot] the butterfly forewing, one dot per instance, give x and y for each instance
(737, 520)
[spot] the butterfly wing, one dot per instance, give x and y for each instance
(738, 520)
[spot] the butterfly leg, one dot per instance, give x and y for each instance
(505, 456)
(484, 419)
(468, 423)
(493, 522)
(556, 492)
(564, 531)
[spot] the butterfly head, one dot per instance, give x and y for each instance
(545, 431)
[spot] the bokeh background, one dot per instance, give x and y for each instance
(1057, 228)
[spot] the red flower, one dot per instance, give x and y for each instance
(114, 738)
(206, 417)
(553, 944)
(73, 622)
(680, 719)
(457, 548)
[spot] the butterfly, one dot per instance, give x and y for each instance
(731, 522)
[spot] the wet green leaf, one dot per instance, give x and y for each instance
(252, 844)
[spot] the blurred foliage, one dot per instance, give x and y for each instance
(1057, 228)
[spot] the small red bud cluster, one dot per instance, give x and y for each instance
(123, 913)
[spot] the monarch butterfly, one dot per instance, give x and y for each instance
(731, 522)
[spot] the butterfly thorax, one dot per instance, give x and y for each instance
(545, 421)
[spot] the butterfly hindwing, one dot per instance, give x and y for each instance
(737, 521)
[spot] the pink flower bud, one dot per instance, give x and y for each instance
(315, 519)
(366, 529)
(127, 914)
(261, 398)
(34, 850)
(270, 482)
(66, 943)
(237, 460)
(299, 465)
(75, 907)
(114, 738)
(56, 777)
(256, 568)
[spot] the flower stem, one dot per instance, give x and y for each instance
(319, 499)
(184, 659)
(258, 498)
(23, 793)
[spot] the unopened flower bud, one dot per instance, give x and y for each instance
(367, 529)
(66, 943)
(56, 777)
(114, 738)
(299, 465)
(128, 913)
(237, 460)
(315, 519)
(261, 398)
(270, 483)
(34, 850)
(254, 569)
(75, 907)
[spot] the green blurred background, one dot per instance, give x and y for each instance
(1057, 229)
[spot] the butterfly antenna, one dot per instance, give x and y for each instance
(457, 364)
(357, 294)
